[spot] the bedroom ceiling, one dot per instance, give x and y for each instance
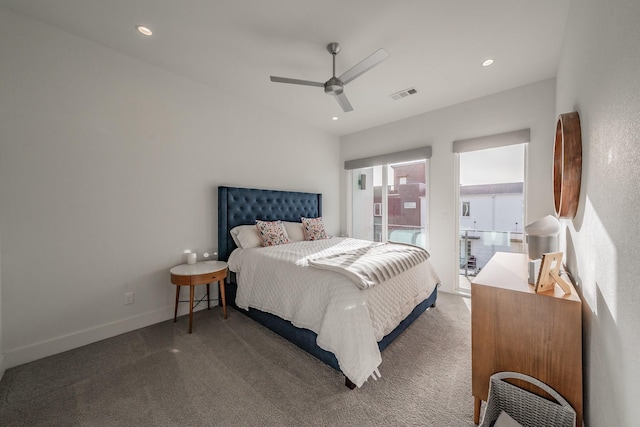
(436, 47)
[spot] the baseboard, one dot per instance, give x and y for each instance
(81, 338)
(2, 367)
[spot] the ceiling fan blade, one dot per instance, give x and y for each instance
(344, 102)
(365, 65)
(296, 81)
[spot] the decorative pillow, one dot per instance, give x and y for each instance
(272, 232)
(294, 231)
(246, 236)
(313, 228)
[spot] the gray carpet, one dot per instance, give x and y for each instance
(235, 372)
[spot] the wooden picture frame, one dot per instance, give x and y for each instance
(550, 274)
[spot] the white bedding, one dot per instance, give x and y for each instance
(374, 263)
(349, 321)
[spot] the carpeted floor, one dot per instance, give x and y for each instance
(235, 372)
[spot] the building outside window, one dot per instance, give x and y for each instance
(400, 208)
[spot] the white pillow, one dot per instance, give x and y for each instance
(246, 236)
(294, 231)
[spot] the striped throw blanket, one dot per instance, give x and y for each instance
(373, 264)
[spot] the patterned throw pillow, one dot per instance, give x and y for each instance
(313, 228)
(272, 233)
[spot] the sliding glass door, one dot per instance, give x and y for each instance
(390, 203)
(491, 207)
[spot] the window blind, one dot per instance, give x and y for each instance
(384, 159)
(492, 141)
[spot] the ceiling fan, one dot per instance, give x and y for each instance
(335, 85)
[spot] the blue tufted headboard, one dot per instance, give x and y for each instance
(238, 206)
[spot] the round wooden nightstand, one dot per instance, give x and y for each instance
(200, 273)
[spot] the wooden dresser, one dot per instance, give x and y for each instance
(515, 329)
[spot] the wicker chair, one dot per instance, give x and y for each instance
(528, 409)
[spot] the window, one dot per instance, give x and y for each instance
(465, 209)
(395, 206)
(491, 175)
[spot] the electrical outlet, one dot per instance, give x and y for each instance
(128, 298)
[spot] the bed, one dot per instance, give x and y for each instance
(243, 206)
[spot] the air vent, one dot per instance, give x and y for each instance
(403, 93)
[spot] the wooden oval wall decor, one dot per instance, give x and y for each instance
(567, 165)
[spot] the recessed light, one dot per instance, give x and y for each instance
(144, 30)
(487, 62)
(334, 118)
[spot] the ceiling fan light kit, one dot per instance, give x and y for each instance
(335, 85)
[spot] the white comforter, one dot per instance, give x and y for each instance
(349, 321)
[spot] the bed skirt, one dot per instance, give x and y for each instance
(306, 339)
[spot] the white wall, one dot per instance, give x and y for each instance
(530, 106)
(2, 360)
(599, 76)
(109, 169)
